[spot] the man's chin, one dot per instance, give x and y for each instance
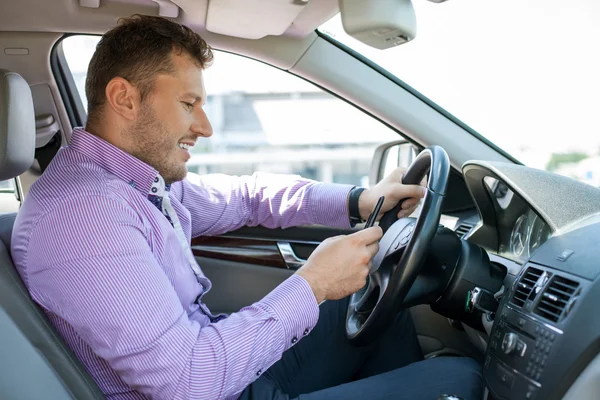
(175, 175)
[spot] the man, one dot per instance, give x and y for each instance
(103, 244)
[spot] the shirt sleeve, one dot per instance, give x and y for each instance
(102, 278)
(221, 203)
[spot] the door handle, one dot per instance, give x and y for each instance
(292, 261)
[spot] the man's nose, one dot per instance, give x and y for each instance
(201, 125)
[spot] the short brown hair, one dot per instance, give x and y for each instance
(138, 49)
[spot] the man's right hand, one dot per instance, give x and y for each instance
(340, 265)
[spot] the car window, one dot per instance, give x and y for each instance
(8, 198)
(266, 119)
(7, 186)
(524, 74)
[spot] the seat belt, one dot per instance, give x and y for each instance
(47, 139)
(46, 153)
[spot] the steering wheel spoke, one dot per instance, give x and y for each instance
(369, 298)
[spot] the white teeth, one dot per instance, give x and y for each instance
(184, 146)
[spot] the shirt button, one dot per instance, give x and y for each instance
(259, 372)
(294, 340)
(306, 331)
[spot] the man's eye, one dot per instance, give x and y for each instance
(188, 106)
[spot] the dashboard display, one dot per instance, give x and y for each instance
(527, 235)
(540, 233)
(519, 237)
(521, 231)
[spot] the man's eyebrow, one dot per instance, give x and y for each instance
(193, 95)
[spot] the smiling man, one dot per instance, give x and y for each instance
(103, 244)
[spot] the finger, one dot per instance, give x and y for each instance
(408, 206)
(416, 191)
(406, 213)
(409, 203)
(369, 235)
(373, 248)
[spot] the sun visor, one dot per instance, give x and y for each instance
(252, 19)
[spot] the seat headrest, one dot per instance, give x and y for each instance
(17, 125)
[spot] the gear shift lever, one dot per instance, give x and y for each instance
(449, 397)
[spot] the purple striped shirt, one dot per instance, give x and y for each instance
(108, 269)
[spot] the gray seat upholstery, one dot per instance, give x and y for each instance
(35, 362)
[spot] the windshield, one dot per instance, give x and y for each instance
(523, 74)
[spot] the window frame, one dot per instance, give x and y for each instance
(16, 190)
(65, 82)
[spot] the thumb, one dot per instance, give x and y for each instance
(369, 235)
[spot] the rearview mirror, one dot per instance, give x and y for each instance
(379, 23)
(390, 156)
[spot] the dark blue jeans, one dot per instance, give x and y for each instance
(324, 366)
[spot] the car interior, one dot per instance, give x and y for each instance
(505, 273)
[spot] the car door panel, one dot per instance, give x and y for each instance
(246, 264)
(238, 284)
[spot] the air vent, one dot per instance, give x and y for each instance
(463, 229)
(555, 298)
(525, 286)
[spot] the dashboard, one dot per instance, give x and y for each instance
(543, 342)
(521, 230)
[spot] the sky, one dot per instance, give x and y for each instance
(523, 73)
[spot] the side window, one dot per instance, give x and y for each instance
(7, 186)
(265, 119)
(8, 196)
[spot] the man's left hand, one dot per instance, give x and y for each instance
(394, 190)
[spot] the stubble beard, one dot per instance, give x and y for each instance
(153, 144)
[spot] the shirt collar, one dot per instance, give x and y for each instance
(123, 165)
(159, 187)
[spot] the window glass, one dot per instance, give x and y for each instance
(8, 198)
(265, 119)
(524, 74)
(7, 186)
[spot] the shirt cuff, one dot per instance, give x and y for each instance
(295, 307)
(328, 203)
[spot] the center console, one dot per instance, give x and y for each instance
(527, 331)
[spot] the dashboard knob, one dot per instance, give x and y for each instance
(509, 343)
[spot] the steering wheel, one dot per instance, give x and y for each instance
(401, 252)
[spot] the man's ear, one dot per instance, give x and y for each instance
(123, 98)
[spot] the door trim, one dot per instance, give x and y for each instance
(251, 251)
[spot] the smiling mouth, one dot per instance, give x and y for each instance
(185, 146)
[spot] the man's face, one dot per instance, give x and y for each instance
(170, 120)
